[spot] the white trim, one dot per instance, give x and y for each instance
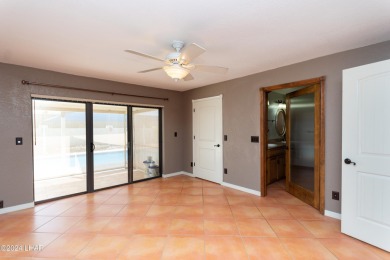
(236, 187)
(229, 185)
(16, 208)
(177, 173)
(332, 214)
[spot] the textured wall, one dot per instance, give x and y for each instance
(16, 162)
(241, 117)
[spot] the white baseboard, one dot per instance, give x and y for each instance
(332, 214)
(236, 187)
(16, 208)
(177, 173)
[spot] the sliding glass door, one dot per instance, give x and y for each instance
(83, 147)
(59, 149)
(146, 142)
(110, 154)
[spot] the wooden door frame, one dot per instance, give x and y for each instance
(264, 129)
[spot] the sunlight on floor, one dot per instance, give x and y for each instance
(179, 218)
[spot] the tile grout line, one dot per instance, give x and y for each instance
(167, 234)
(240, 234)
(279, 239)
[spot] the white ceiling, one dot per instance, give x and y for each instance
(88, 37)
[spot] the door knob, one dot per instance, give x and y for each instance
(348, 161)
(217, 145)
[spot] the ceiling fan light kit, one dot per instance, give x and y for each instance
(176, 72)
(178, 63)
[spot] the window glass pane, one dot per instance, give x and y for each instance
(145, 143)
(110, 140)
(59, 148)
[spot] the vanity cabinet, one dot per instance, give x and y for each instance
(276, 164)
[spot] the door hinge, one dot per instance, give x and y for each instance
(194, 109)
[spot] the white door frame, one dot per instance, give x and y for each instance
(194, 101)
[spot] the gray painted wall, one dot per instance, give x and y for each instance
(16, 162)
(241, 117)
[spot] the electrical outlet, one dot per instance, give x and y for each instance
(19, 140)
(254, 139)
(335, 195)
(225, 171)
(1, 204)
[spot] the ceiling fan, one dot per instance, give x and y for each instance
(178, 64)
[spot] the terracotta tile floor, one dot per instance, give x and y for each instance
(179, 218)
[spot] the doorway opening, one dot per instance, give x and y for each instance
(292, 150)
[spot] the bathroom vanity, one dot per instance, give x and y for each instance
(276, 162)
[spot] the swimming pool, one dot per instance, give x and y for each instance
(54, 166)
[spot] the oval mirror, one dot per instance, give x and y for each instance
(280, 122)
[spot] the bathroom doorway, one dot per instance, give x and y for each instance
(292, 139)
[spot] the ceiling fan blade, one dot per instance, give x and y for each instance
(144, 55)
(188, 66)
(190, 52)
(212, 69)
(144, 71)
(188, 77)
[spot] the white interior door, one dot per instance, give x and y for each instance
(366, 154)
(207, 138)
